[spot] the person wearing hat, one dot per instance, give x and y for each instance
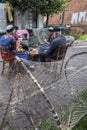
(51, 37)
(8, 39)
(14, 33)
(47, 42)
(58, 40)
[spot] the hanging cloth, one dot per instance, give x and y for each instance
(8, 10)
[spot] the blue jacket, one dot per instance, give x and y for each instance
(8, 41)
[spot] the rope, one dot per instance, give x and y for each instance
(53, 111)
(65, 67)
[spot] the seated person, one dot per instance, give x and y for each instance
(9, 41)
(14, 32)
(51, 36)
(48, 42)
(24, 35)
(52, 51)
(20, 36)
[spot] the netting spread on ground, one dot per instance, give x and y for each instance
(28, 103)
(26, 100)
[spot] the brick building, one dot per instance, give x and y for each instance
(75, 15)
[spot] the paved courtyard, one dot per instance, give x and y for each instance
(60, 91)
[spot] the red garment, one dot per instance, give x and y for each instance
(6, 55)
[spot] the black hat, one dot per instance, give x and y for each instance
(51, 29)
(9, 28)
(16, 27)
(56, 28)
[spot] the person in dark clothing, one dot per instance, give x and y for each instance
(51, 53)
(51, 37)
(14, 32)
(47, 42)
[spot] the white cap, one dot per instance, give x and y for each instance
(9, 28)
(51, 29)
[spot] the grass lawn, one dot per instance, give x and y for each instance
(82, 37)
(82, 125)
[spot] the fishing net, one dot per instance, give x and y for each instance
(43, 92)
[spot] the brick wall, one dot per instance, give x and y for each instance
(75, 15)
(76, 8)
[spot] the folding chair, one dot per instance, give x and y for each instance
(7, 60)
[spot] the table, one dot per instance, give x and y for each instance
(34, 54)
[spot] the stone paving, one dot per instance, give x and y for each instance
(59, 92)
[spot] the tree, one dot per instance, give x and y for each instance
(48, 7)
(20, 5)
(44, 7)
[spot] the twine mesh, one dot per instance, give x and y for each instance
(27, 105)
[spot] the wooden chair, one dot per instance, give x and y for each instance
(7, 60)
(70, 43)
(59, 61)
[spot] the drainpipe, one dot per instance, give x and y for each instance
(62, 19)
